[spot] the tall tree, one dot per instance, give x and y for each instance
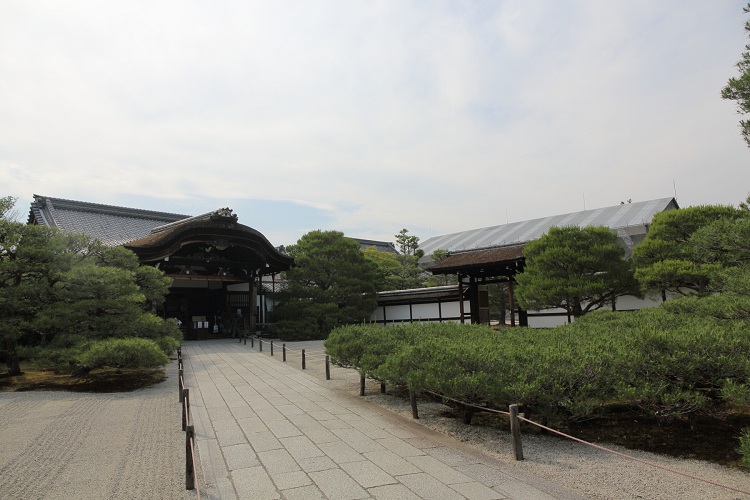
(576, 269)
(390, 269)
(331, 283)
(666, 261)
(738, 89)
(407, 244)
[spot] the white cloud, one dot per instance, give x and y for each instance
(383, 114)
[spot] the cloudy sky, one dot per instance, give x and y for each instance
(371, 116)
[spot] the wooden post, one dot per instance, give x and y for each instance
(382, 387)
(461, 297)
(244, 335)
(515, 433)
(189, 470)
(361, 385)
(510, 303)
(303, 359)
(260, 343)
(283, 352)
(185, 407)
(180, 373)
(328, 367)
(272, 348)
(413, 400)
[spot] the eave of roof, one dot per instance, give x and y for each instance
(215, 230)
(418, 295)
(479, 258)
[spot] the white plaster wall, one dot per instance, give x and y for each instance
(629, 302)
(401, 312)
(547, 321)
(396, 312)
(425, 311)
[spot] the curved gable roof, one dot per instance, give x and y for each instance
(217, 229)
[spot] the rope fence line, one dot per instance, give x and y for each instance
(317, 354)
(189, 428)
(514, 415)
(524, 419)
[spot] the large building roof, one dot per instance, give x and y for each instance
(616, 218)
(110, 224)
(380, 246)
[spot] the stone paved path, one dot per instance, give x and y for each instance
(268, 431)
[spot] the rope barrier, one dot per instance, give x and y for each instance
(492, 410)
(633, 458)
(467, 404)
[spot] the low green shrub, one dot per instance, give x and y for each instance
(124, 353)
(744, 447)
(168, 345)
(680, 358)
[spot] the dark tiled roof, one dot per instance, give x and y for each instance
(112, 225)
(478, 258)
(380, 246)
(417, 295)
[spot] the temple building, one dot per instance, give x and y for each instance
(220, 267)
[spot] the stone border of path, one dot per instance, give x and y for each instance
(268, 431)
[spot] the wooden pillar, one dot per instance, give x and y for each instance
(253, 307)
(461, 297)
(510, 303)
(474, 299)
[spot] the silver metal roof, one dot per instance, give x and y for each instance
(617, 217)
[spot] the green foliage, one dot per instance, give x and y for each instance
(389, 269)
(670, 360)
(744, 447)
(364, 347)
(407, 244)
(738, 89)
(576, 269)
(56, 284)
(441, 279)
(124, 353)
(725, 241)
(332, 283)
(668, 260)
(399, 272)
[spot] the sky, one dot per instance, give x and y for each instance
(371, 116)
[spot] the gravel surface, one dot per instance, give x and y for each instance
(591, 472)
(63, 445)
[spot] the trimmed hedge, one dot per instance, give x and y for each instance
(124, 353)
(665, 360)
